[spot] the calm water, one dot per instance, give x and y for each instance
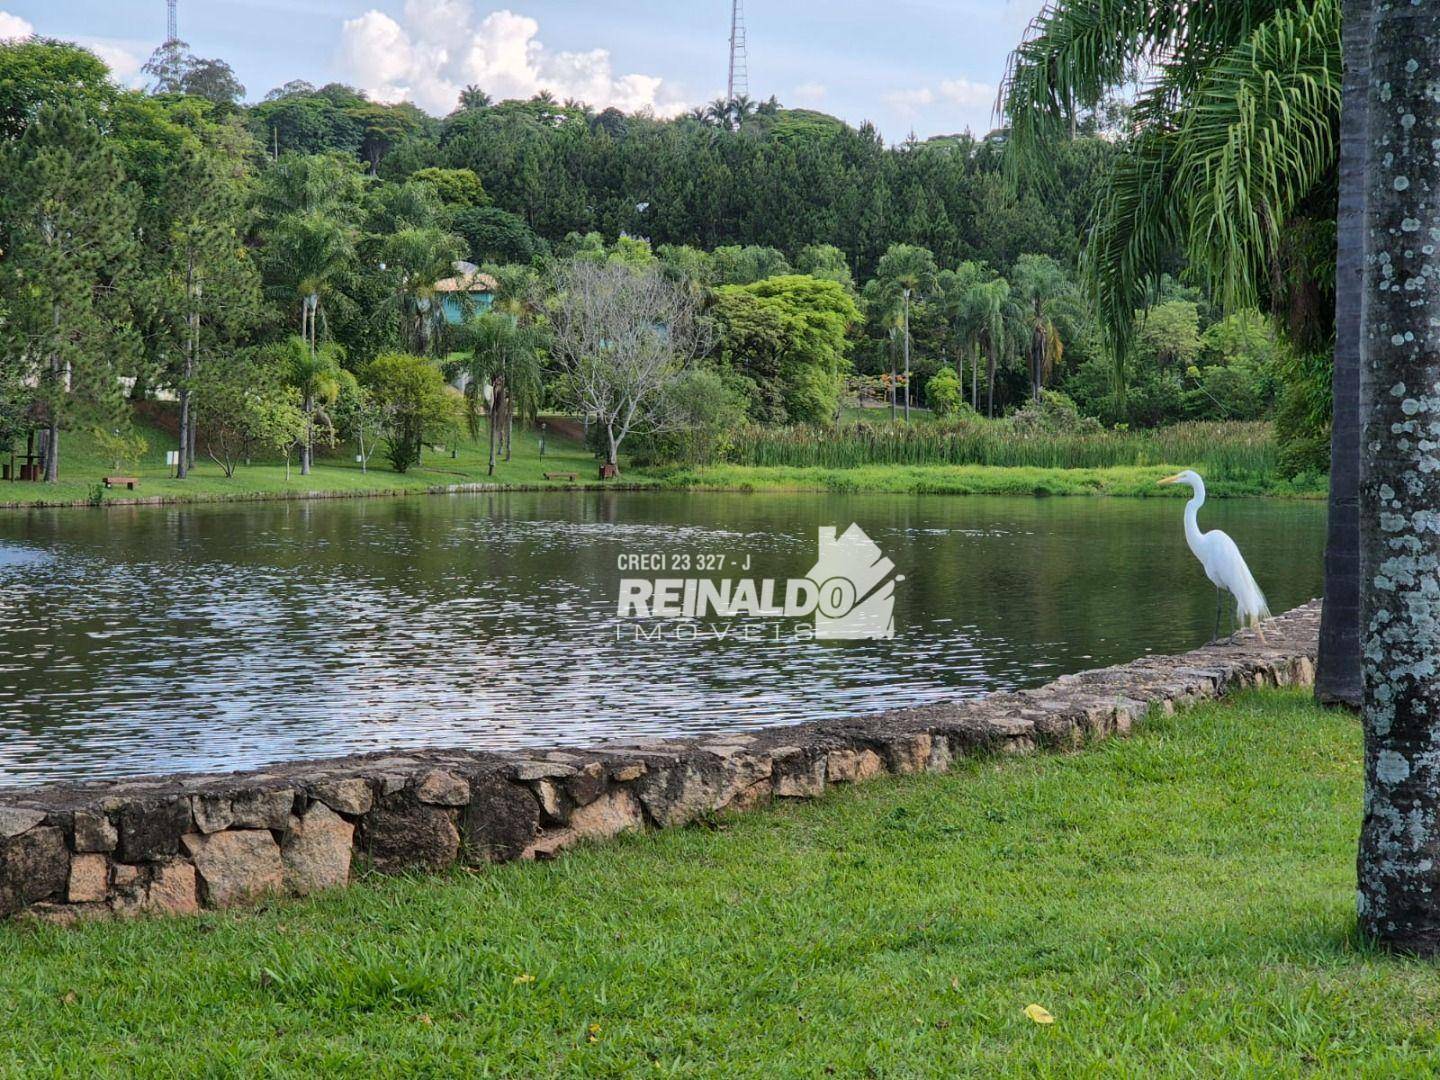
(166, 640)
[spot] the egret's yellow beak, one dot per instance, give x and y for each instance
(1171, 479)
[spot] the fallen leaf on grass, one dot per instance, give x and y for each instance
(1039, 1014)
(526, 978)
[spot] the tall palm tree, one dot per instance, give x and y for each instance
(418, 259)
(1399, 876)
(986, 319)
(316, 374)
(1040, 283)
(1337, 675)
(1232, 160)
(504, 367)
(909, 273)
(305, 254)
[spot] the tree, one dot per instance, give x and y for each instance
(472, 99)
(417, 405)
(505, 373)
(944, 392)
(304, 256)
(67, 255)
(456, 187)
(200, 280)
(495, 235)
(984, 319)
(906, 272)
(1039, 283)
(359, 416)
(173, 69)
(36, 72)
(1399, 904)
(1337, 669)
(315, 373)
(790, 336)
(1233, 162)
(621, 338)
(416, 259)
(242, 406)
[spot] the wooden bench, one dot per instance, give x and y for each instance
(572, 477)
(122, 481)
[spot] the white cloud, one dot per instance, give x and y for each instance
(811, 93)
(12, 26)
(437, 47)
(909, 102)
(963, 91)
(124, 65)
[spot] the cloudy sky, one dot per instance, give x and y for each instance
(925, 65)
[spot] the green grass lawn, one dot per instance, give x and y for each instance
(1181, 902)
(82, 467)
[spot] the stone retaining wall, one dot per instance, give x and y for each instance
(178, 844)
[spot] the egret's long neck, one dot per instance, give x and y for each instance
(1192, 510)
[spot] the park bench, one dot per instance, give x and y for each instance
(122, 481)
(572, 477)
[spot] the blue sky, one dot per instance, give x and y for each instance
(927, 65)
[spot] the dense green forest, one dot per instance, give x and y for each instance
(274, 267)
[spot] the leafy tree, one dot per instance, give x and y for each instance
(415, 260)
(173, 69)
(359, 416)
(825, 261)
(315, 373)
(742, 265)
(472, 99)
(36, 72)
(789, 335)
(944, 392)
(65, 225)
(242, 406)
(304, 257)
(416, 404)
(1040, 284)
(456, 187)
(495, 235)
(1169, 334)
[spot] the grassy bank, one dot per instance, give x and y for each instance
(82, 467)
(1181, 902)
(337, 474)
(972, 480)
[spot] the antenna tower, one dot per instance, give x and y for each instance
(739, 82)
(171, 31)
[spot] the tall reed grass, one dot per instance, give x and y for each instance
(1225, 450)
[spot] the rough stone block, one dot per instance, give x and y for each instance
(500, 821)
(237, 866)
(173, 890)
(852, 766)
(612, 813)
(909, 753)
(34, 866)
(350, 796)
(93, 832)
(441, 788)
(587, 785)
(15, 820)
(317, 849)
(89, 879)
(151, 830)
(798, 773)
(262, 809)
(402, 833)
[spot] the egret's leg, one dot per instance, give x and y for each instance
(1216, 635)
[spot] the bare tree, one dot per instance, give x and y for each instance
(622, 337)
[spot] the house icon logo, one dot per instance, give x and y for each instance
(856, 594)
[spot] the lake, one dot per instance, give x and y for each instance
(177, 639)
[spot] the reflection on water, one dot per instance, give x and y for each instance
(155, 639)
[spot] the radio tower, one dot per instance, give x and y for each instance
(171, 31)
(739, 75)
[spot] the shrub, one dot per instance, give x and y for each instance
(943, 392)
(416, 404)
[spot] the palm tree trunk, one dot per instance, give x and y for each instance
(490, 416)
(1337, 672)
(907, 356)
(975, 379)
(305, 448)
(1399, 875)
(990, 379)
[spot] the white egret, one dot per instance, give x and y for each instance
(1223, 563)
